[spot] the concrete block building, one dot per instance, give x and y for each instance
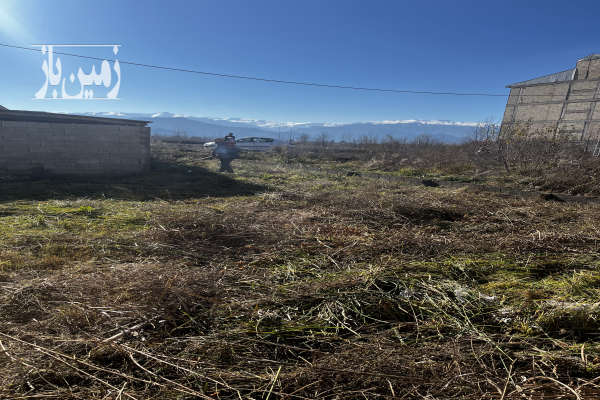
(565, 102)
(62, 144)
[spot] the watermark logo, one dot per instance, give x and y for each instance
(107, 82)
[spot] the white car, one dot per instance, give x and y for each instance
(209, 145)
(255, 143)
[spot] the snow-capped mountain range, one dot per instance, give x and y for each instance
(165, 123)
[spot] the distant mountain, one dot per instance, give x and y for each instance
(409, 130)
(165, 123)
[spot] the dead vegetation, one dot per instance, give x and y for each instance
(300, 281)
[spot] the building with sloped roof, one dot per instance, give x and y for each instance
(64, 144)
(565, 102)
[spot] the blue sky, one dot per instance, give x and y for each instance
(439, 45)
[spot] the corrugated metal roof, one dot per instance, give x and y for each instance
(562, 76)
(36, 116)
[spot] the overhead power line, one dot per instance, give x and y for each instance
(280, 81)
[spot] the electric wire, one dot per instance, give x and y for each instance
(279, 81)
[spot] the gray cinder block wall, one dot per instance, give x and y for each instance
(565, 102)
(70, 145)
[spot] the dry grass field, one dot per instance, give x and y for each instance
(419, 272)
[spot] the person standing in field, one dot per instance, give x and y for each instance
(226, 151)
(230, 138)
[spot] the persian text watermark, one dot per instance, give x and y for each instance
(104, 85)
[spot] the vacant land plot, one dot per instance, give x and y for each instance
(321, 279)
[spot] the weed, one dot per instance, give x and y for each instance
(297, 279)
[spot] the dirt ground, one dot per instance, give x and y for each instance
(293, 278)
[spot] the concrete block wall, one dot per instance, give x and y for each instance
(588, 69)
(73, 148)
(544, 93)
(571, 107)
(593, 131)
